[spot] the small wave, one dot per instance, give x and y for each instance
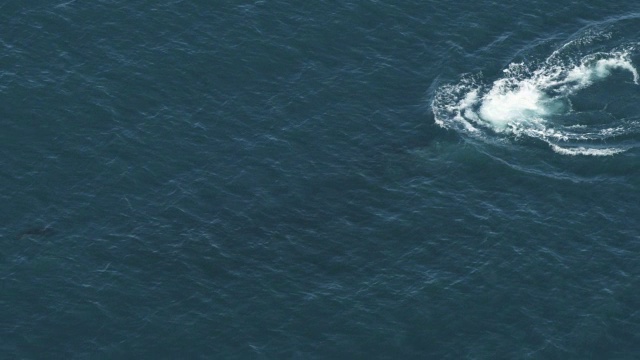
(581, 150)
(535, 100)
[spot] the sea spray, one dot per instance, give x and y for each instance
(534, 100)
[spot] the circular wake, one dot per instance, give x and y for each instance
(577, 100)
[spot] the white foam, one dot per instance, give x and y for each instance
(591, 70)
(450, 107)
(581, 150)
(512, 100)
(502, 106)
(525, 100)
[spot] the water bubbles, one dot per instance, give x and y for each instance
(536, 99)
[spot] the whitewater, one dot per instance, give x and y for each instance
(566, 100)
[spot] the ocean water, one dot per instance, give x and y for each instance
(319, 180)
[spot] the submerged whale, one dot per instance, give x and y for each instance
(42, 231)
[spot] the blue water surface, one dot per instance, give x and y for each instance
(319, 180)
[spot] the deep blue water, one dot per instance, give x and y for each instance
(320, 180)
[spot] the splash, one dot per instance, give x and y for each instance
(536, 100)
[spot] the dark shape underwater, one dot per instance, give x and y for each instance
(42, 231)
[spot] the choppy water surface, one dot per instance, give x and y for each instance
(302, 180)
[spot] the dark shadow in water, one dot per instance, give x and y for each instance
(37, 232)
